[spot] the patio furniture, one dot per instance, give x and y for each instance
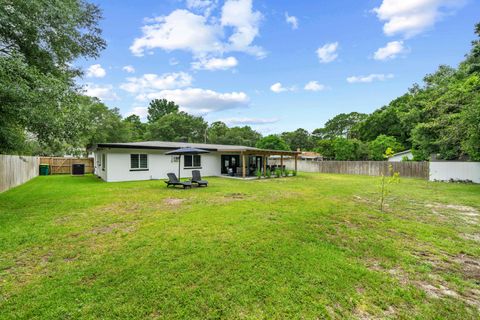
(185, 151)
(173, 181)
(197, 178)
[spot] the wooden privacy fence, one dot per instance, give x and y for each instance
(15, 170)
(412, 169)
(60, 165)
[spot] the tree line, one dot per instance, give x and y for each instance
(43, 111)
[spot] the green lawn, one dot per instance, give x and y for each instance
(312, 246)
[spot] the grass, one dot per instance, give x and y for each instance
(312, 246)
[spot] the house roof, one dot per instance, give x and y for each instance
(168, 145)
(403, 152)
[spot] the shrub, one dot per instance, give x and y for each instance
(258, 173)
(278, 172)
(268, 173)
(294, 173)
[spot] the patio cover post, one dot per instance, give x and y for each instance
(179, 161)
(296, 157)
(281, 162)
(264, 161)
(243, 165)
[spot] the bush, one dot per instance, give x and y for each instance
(258, 173)
(278, 172)
(268, 173)
(294, 173)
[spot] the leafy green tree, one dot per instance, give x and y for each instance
(325, 148)
(159, 108)
(378, 147)
(298, 139)
(349, 149)
(103, 125)
(220, 133)
(135, 127)
(38, 42)
(272, 142)
(341, 125)
(470, 119)
(178, 126)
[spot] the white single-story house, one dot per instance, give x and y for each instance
(397, 157)
(147, 160)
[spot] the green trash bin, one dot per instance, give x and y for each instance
(44, 169)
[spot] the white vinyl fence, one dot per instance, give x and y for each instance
(15, 170)
(455, 170)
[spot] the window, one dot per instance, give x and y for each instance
(138, 162)
(104, 161)
(192, 161)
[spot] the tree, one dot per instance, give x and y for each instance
(159, 108)
(135, 127)
(349, 149)
(298, 139)
(272, 142)
(178, 126)
(377, 147)
(341, 125)
(325, 148)
(220, 133)
(38, 42)
(103, 125)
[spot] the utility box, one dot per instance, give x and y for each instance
(78, 169)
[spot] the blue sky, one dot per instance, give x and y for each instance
(275, 65)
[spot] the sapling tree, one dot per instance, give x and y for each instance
(387, 180)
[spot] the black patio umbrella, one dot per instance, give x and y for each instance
(185, 151)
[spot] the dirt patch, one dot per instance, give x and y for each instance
(173, 202)
(468, 214)
(438, 291)
(126, 227)
(235, 195)
(473, 237)
(121, 208)
(470, 266)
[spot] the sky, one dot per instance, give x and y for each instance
(275, 65)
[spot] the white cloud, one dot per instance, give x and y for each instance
(153, 82)
(412, 17)
(129, 69)
(370, 78)
(390, 51)
(314, 86)
(173, 61)
(249, 121)
(142, 112)
(328, 52)
(215, 64)
(204, 6)
(291, 20)
(96, 71)
(278, 87)
(102, 92)
(199, 4)
(239, 14)
(200, 101)
(200, 35)
(181, 30)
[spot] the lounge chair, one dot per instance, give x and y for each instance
(173, 181)
(197, 178)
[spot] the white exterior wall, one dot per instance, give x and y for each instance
(399, 157)
(159, 164)
(456, 170)
(98, 169)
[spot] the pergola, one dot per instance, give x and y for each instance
(265, 154)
